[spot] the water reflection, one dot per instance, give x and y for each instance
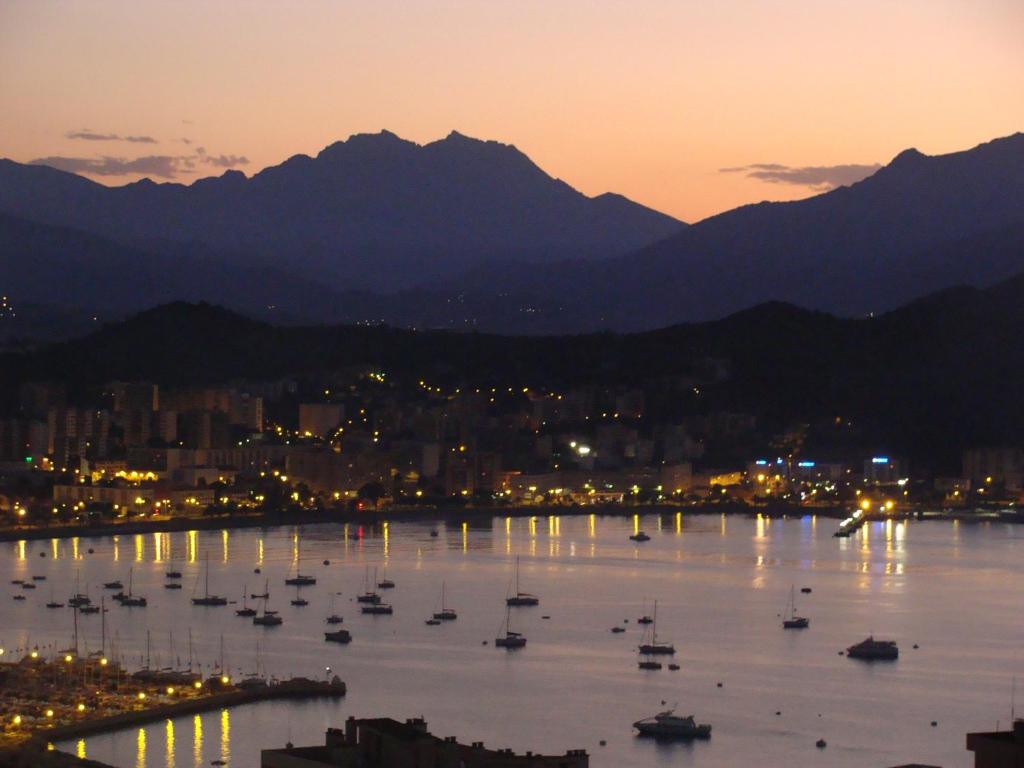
(140, 754)
(197, 740)
(169, 760)
(225, 735)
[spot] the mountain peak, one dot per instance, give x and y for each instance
(908, 157)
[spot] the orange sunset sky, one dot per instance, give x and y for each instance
(648, 98)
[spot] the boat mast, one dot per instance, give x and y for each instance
(103, 627)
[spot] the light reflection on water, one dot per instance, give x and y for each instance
(721, 584)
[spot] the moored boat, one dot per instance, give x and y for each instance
(874, 650)
(668, 725)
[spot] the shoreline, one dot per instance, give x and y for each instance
(462, 514)
(39, 750)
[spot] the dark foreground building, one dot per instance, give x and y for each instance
(998, 749)
(385, 743)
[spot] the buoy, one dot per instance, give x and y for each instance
(42, 554)
(91, 550)
(821, 744)
(934, 723)
(255, 570)
(916, 645)
(777, 712)
(719, 685)
(602, 742)
(327, 562)
(484, 643)
(545, 617)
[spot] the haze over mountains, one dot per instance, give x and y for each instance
(462, 233)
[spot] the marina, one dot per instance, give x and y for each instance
(719, 582)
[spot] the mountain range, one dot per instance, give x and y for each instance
(470, 234)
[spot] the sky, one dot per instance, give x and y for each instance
(688, 106)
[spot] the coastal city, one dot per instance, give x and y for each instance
(357, 442)
(511, 384)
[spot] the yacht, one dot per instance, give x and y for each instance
(385, 584)
(342, 636)
(378, 609)
(432, 622)
(874, 650)
(173, 575)
(789, 619)
(640, 536)
(207, 598)
(27, 585)
(511, 640)
(649, 664)
(654, 648)
(89, 609)
(446, 613)
(521, 598)
(668, 725)
(172, 585)
(113, 585)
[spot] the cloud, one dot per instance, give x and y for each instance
(86, 135)
(161, 166)
(225, 161)
(821, 177)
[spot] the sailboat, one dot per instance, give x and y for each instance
(446, 613)
(78, 599)
(385, 583)
(298, 580)
(130, 601)
(53, 601)
(521, 598)
(207, 598)
(299, 601)
(267, 618)
(654, 648)
(790, 620)
(645, 619)
(368, 596)
(511, 640)
(245, 610)
(333, 618)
